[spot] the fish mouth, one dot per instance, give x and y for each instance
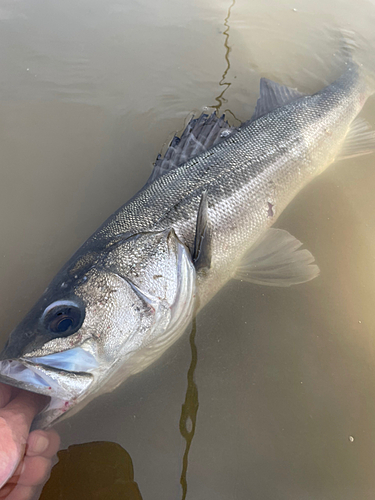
(54, 375)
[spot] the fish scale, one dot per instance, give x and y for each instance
(267, 160)
(131, 290)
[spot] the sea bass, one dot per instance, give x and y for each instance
(203, 218)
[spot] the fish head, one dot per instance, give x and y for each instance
(104, 317)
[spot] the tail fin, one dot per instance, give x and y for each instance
(348, 45)
(356, 55)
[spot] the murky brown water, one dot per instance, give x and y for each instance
(284, 378)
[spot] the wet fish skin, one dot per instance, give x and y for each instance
(133, 284)
(268, 161)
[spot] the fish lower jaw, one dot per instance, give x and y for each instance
(53, 411)
(46, 381)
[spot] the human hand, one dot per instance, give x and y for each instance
(25, 459)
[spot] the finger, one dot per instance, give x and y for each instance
(35, 471)
(18, 492)
(6, 393)
(15, 421)
(5, 491)
(22, 409)
(16, 473)
(43, 443)
(11, 451)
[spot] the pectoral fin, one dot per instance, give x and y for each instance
(276, 260)
(202, 243)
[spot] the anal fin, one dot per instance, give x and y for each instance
(277, 260)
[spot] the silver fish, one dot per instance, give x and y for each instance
(203, 218)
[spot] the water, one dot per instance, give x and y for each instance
(272, 396)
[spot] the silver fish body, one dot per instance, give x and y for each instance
(130, 291)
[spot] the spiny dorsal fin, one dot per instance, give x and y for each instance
(202, 243)
(199, 135)
(272, 96)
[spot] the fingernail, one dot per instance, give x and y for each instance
(40, 445)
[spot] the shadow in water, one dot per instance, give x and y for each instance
(100, 470)
(220, 99)
(189, 409)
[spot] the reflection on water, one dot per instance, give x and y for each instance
(189, 410)
(220, 99)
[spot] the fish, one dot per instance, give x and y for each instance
(204, 217)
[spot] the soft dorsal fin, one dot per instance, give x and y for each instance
(199, 135)
(272, 96)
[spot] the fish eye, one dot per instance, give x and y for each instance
(63, 318)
